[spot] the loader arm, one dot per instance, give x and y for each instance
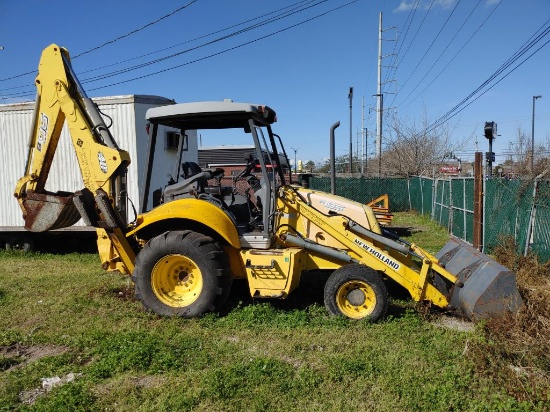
(102, 164)
(408, 265)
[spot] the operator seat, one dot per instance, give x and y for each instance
(194, 181)
(190, 169)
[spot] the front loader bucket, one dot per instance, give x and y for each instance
(48, 211)
(489, 290)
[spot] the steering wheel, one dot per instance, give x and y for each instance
(248, 170)
(215, 172)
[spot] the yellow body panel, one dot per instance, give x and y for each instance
(236, 263)
(273, 273)
(331, 229)
(193, 209)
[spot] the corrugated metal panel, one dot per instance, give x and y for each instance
(128, 128)
(225, 155)
(15, 124)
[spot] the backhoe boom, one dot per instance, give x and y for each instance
(102, 164)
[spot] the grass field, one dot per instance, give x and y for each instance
(62, 317)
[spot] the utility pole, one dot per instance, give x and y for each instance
(362, 129)
(366, 150)
(3, 100)
(295, 164)
(533, 135)
(350, 97)
(380, 95)
(380, 100)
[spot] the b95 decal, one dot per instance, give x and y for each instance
(42, 131)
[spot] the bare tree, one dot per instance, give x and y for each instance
(522, 152)
(413, 150)
(521, 149)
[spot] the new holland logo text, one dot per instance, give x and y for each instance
(335, 207)
(380, 256)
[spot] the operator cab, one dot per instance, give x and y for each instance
(248, 197)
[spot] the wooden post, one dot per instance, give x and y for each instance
(478, 202)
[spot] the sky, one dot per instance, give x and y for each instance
(463, 61)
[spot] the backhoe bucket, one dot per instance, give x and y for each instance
(489, 290)
(48, 211)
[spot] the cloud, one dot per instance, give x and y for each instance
(404, 6)
(425, 4)
(446, 4)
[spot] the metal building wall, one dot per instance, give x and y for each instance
(15, 125)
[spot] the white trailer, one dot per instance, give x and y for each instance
(126, 117)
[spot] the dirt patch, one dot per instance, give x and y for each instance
(18, 356)
(454, 324)
(125, 292)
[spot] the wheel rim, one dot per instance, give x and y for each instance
(356, 299)
(176, 281)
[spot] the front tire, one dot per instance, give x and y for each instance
(357, 292)
(182, 273)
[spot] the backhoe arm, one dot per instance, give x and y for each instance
(370, 249)
(102, 164)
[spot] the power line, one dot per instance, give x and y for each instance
(291, 7)
(430, 46)
(113, 40)
(528, 45)
(409, 19)
(440, 55)
(219, 39)
(296, 8)
(416, 33)
(455, 55)
(227, 50)
(136, 30)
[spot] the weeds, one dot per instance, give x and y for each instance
(515, 350)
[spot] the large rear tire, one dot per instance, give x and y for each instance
(357, 292)
(182, 273)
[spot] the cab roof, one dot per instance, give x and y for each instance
(211, 115)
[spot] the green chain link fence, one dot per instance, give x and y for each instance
(454, 206)
(516, 208)
(540, 219)
(364, 190)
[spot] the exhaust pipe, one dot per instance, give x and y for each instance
(332, 159)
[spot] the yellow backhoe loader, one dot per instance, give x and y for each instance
(184, 252)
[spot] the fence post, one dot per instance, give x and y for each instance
(531, 224)
(464, 230)
(409, 191)
(478, 202)
(434, 197)
(451, 206)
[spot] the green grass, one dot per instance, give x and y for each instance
(426, 233)
(63, 314)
